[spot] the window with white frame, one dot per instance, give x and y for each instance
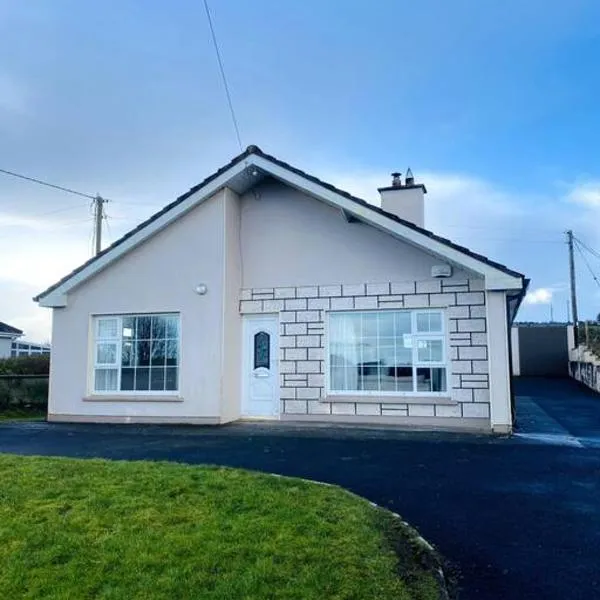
(387, 352)
(136, 353)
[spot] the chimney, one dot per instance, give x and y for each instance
(405, 200)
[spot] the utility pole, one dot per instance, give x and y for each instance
(573, 287)
(98, 216)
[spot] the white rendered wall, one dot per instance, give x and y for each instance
(232, 320)
(290, 239)
(406, 203)
(500, 397)
(158, 276)
(5, 346)
(514, 346)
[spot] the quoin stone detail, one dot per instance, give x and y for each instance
(302, 316)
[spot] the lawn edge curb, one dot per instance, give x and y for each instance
(437, 572)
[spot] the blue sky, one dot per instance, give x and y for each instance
(493, 104)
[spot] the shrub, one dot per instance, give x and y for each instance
(27, 395)
(24, 394)
(25, 365)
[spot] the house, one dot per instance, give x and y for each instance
(7, 336)
(264, 292)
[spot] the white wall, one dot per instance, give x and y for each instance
(5, 345)
(290, 239)
(584, 365)
(158, 276)
(515, 351)
(232, 320)
(406, 203)
(500, 396)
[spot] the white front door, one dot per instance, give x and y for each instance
(261, 360)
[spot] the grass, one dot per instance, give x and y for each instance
(22, 415)
(83, 529)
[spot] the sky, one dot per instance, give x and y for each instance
(494, 105)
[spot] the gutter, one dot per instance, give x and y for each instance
(519, 297)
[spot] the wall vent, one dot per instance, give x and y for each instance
(441, 271)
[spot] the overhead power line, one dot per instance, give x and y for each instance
(587, 264)
(47, 184)
(223, 76)
(586, 247)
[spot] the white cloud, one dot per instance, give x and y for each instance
(586, 194)
(18, 309)
(455, 203)
(539, 296)
(16, 221)
(41, 251)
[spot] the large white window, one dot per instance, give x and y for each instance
(136, 353)
(387, 352)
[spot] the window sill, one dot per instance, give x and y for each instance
(131, 398)
(444, 400)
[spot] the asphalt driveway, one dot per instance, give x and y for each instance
(519, 516)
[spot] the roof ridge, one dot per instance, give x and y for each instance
(6, 328)
(254, 149)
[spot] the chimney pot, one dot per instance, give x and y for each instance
(396, 179)
(410, 178)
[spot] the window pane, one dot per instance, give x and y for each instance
(127, 379)
(142, 353)
(147, 344)
(374, 351)
(158, 357)
(144, 328)
(128, 354)
(142, 378)
(387, 379)
(369, 325)
(345, 352)
(157, 379)
(429, 350)
(128, 327)
(431, 379)
(403, 355)
(172, 353)
(404, 379)
(171, 381)
(172, 327)
(158, 327)
(107, 328)
(386, 324)
(429, 322)
(105, 380)
(370, 374)
(402, 323)
(435, 322)
(106, 353)
(262, 354)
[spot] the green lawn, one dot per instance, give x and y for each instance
(22, 415)
(92, 529)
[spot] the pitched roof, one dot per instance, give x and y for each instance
(256, 151)
(9, 329)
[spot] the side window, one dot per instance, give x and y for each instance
(262, 350)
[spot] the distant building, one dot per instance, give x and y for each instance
(11, 345)
(8, 334)
(22, 348)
